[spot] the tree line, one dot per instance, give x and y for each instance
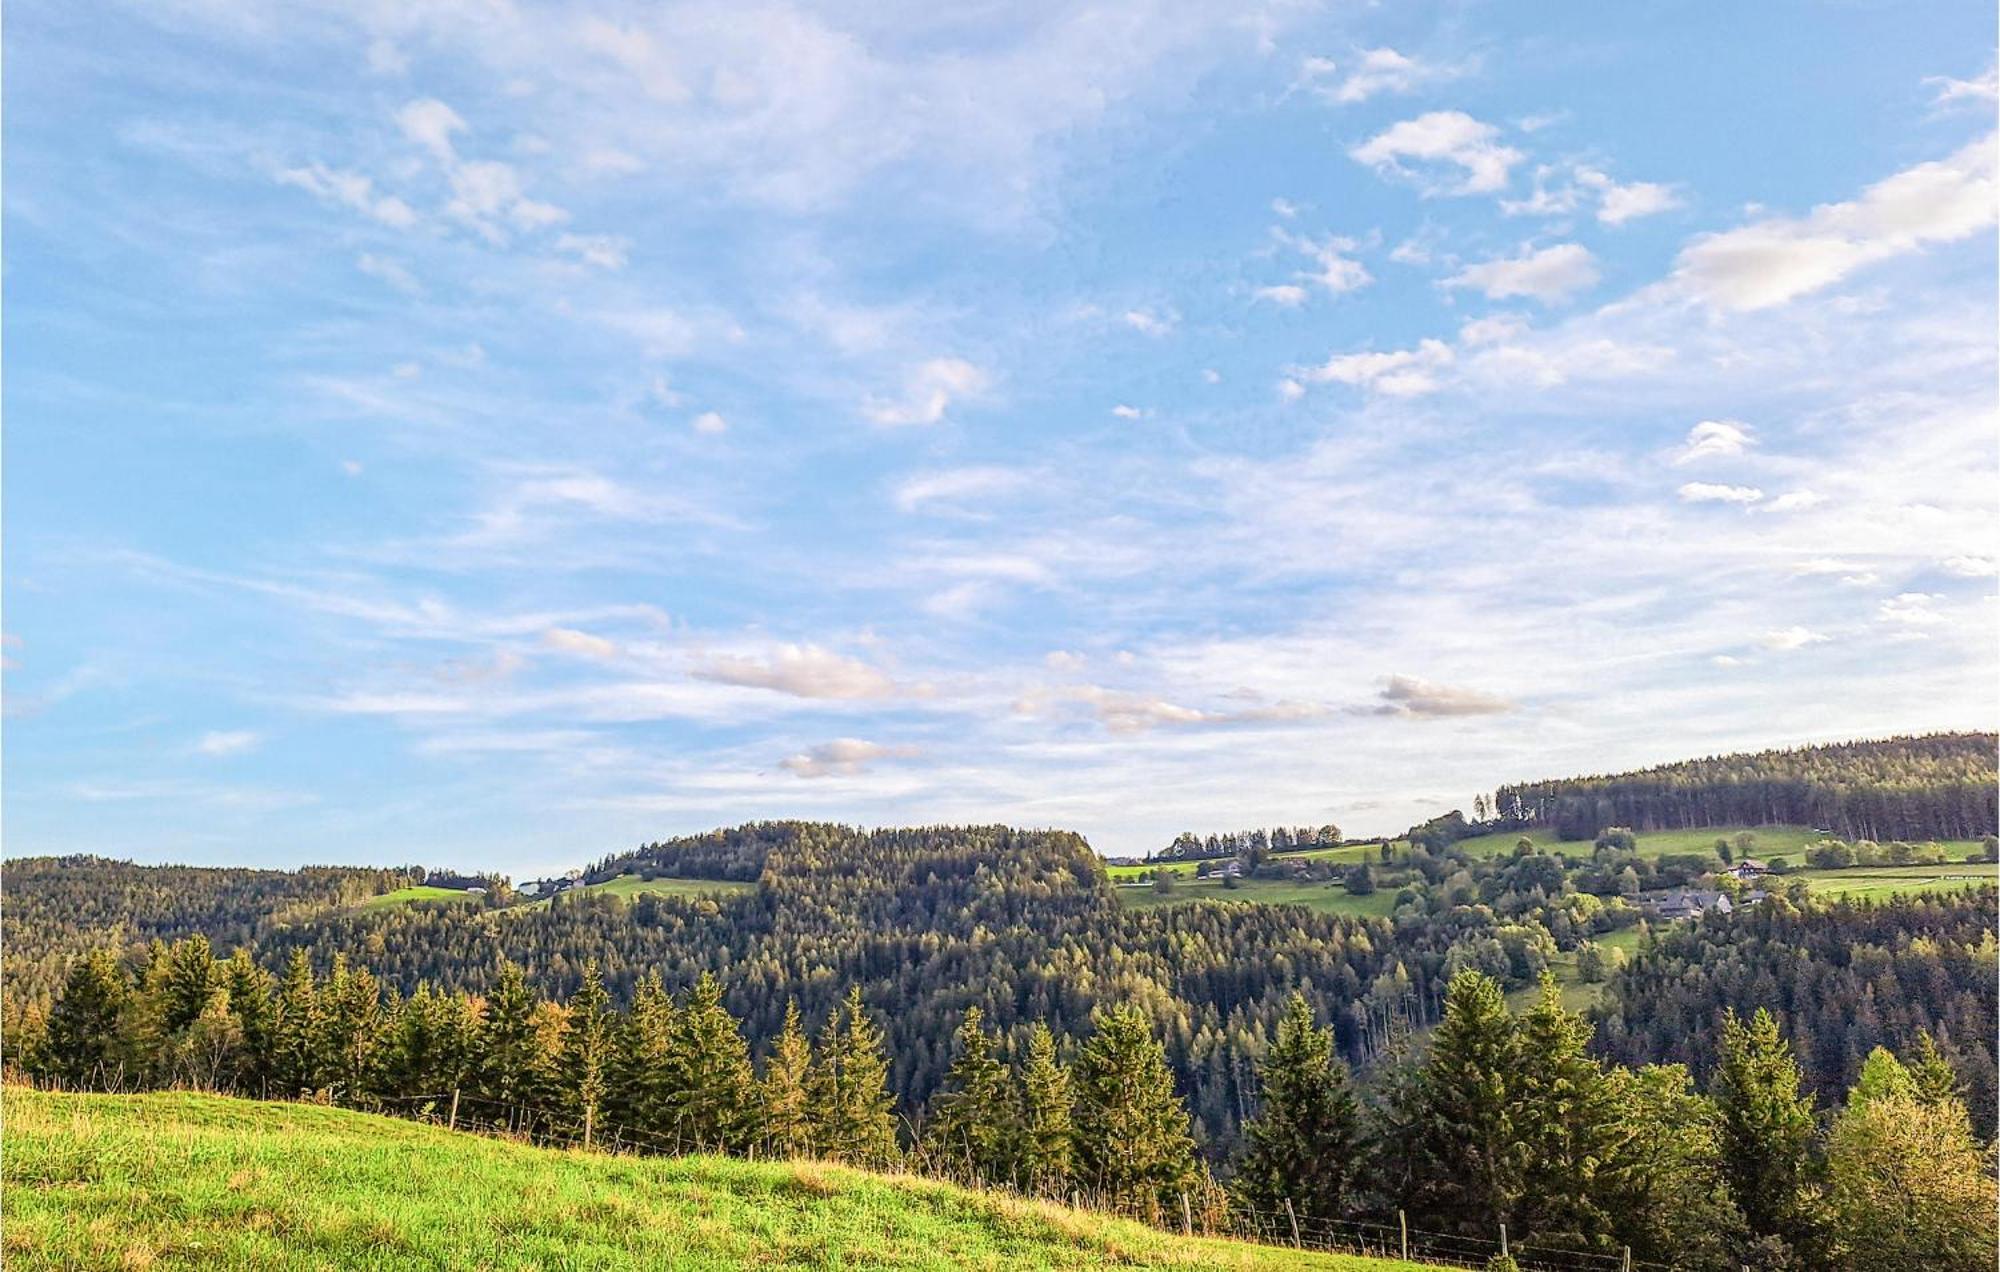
(1493, 1119)
(1937, 786)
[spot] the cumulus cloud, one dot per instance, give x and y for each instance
(1796, 501)
(1786, 639)
(956, 485)
(1710, 492)
(221, 742)
(352, 190)
(1970, 567)
(1148, 323)
(1911, 609)
(1775, 260)
(568, 640)
(1382, 70)
(842, 757)
(1559, 193)
(1849, 572)
(605, 251)
(1714, 439)
(1125, 412)
(1449, 137)
(929, 390)
(1332, 268)
(1549, 275)
(1983, 90)
(803, 671)
(1421, 699)
(1123, 712)
(709, 422)
(1284, 295)
(388, 271)
(1397, 373)
(431, 124)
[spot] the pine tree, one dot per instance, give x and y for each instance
(641, 1076)
(1662, 1185)
(1566, 1119)
(85, 1044)
(716, 1101)
(249, 989)
(785, 1090)
(1047, 1146)
(855, 1112)
(1767, 1134)
(588, 1045)
(1931, 1074)
(973, 1121)
(351, 1023)
(189, 978)
(509, 1077)
(1305, 1139)
(1454, 1151)
(295, 1031)
(1131, 1129)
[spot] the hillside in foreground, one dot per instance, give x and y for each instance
(178, 1180)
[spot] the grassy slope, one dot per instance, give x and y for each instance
(404, 896)
(1327, 898)
(632, 887)
(176, 1180)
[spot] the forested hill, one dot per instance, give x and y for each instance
(1937, 786)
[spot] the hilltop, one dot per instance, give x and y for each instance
(179, 1180)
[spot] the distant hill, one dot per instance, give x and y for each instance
(1937, 786)
(178, 1180)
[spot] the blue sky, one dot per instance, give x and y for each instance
(488, 435)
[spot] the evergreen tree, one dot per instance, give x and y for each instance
(1453, 1149)
(509, 1075)
(1131, 1129)
(190, 976)
(1305, 1139)
(249, 989)
(1932, 1074)
(716, 1101)
(85, 1044)
(786, 1090)
(295, 1031)
(973, 1121)
(1662, 1185)
(351, 1022)
(1908, 1185)
(1565, 1118)
(1767, 1134)
(1048, 1154)
(589, 1043)
(642, 1075)
(855, 1114)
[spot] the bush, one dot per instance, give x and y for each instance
(1360, 881)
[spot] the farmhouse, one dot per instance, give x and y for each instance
(1687, 903)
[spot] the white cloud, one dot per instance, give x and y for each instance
(605, 251)
(1985, 89)
(227, 742)
(1912, 609)
(1444, 136)
(957, 485)
(388, 271)
(1773, 261)
(1124, 712)
(1710, 492)
(1493, 329)
(803, 671)
(1786, 639)
(1796, 501)
(1124, 412)
(1850, 573)
(710, 423)
(1421, 699)
(1618, 204)
(431, 124)
(1284, 208)
(1381, 70)
(1970, 567)
(929, 391)
(1712, 439)
(352, 467)
(1398, 373)
(1148, 323)
(1727, 660)
(842, 757)
(1063, 660)
(1549, 275)
(350, 189)
(569, 640)
(1284, 295)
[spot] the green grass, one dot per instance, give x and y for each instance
(1345, 853)
(631, 887)
(1789, 842)
(179, 1180)
(418, 892)
(1327, 898)
(1877, 882)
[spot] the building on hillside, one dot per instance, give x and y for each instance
(1747, 869)
(1686, 903)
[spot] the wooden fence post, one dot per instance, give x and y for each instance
(1293, 1215)
(1503, 1240)
(1187, 1216)
(452, 1125)
(589, 1123)
(1625, 1264)
(1403, 1222)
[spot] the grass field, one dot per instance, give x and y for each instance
(631, 887)
(1789, 842)
(1327, 898)
(178, 1180)
(1876, 882)
(404, 896)
(1346, 853)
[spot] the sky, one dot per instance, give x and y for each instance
(494, 435)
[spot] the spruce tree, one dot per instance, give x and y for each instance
(295, 1031)
(973, 1120)
(85, 1044)
(1767, 1134)
(588, 1045)
(351, 1021)
(1566, 1119)
(854, 1111)
(1908, 1185)
(508, 1077)
(786, 1090)
(641, 1077)
(1931, 1074)
(716, 1102)
(1303, 1144)
(249, 988)
(1047, 1146)
(1132, 1135)
(1454, 1144)
(1662, 1187)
